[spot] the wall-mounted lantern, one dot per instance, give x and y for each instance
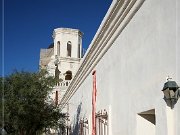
(171, 93)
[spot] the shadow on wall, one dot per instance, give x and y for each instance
(76, 125)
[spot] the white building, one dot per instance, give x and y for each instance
(133, 52)
(63, 57)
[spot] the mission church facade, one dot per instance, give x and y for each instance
(117, 87)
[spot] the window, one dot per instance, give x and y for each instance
(79, 51)
(84, 127)
(58, 48)
(69, 47)
(68, 75)
(102, 123)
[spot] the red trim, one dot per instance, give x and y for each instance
(94, 104)
(93, 72)
(56, 98)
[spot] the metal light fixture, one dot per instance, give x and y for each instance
(56, 62)
(171, 92)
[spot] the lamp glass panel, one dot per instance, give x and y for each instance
(171, 93)
(166, 93)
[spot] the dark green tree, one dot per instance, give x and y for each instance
(28, 108)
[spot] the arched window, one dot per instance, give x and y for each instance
(58, 48)
(68, 75)
(79, 51)
(69, 47)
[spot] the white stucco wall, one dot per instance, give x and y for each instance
(131, 74)
(177, 109)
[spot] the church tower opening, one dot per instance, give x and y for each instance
(69, 47)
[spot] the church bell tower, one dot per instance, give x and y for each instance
(62, 58)
(67, 51)
(67, 56)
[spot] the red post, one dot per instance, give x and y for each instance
(56, 98)
(94, 104)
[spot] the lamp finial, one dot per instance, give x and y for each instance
(168, 78)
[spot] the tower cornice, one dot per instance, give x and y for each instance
(66, 31)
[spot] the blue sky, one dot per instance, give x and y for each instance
(28, 26)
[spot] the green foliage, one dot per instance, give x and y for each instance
(27, 106)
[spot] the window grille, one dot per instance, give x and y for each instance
(84, 127)
(67, 126)
(102, 123)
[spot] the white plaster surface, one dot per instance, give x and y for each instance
(144, 127)
(131, 75)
